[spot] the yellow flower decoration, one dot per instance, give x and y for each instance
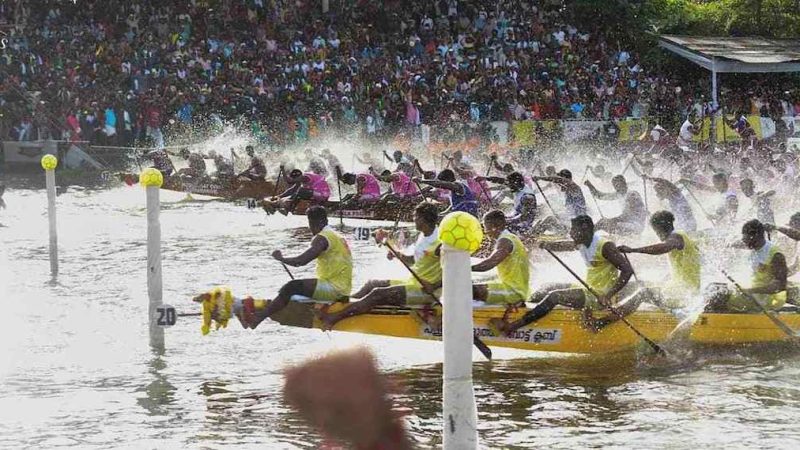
(220, 300)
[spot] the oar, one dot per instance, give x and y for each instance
(778, 322)
(597, 205)
(339, 184)
(476, 341)
(708, 216)
(656, 348)
(644, 184)
(287, 270)
(545, 199)
(585, 172)
(277, 181)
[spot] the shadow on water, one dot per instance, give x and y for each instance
(159, 393)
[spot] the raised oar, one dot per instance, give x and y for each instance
(545, 199)
(476, 341)
(597, 205)
(708, 216)
(644, 184)
(778, 322)
(339, 184)
(656, 348)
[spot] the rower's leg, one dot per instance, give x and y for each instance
(390, 295)
(304, 287)
(368, 287)
(540, 294)
(624, 308)
(574, 298)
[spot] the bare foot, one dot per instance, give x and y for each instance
(498, 327)
(327, 322)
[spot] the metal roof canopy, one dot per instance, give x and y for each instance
(736, 54)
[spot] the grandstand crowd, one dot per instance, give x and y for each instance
(125, 72)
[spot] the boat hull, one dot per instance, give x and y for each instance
(233, 190)
(561, 330)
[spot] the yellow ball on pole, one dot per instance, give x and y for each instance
(462, 231)
(49, 162)
(151, 177)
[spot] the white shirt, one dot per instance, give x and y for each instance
(685, 133)
(423, 242)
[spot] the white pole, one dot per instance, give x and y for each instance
(152, 180)
(49, 164)
(460, 413)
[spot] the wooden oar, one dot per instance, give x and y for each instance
(597, 205)
(778, 322)
(339, 184)
(708, 216)
(644, 184)
(476, 341)
(656, 348)
(546, 200)
(287, 270)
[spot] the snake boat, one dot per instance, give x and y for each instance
(229, 190)
(560, 331)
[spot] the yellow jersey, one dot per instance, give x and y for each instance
(335, 264)
(600, 274)
(514, 271)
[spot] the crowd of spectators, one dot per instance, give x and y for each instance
(125, 72)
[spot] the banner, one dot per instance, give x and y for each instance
(632, 129)
(575, 130)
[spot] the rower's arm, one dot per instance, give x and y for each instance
(601, 195)
(557, 180)
(701, 186)
(673, 242)
(450, 186)
(496, 165)
(496, 180)
(779, 275)
(615, 257)
(503, 250)
(793, 233)
(318, 245)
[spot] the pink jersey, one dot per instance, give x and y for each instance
(317, 184)
(403, 186)
(479, 188)
(371, 189)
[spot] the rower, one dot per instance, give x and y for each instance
(404, 163)
(511, 259)
(368, 191)
(574, 200)
(334, 271)
(161, 162)
(678, 205)
(608, 273)
(370, 161)
(425, 264)
(728, 205)
(631, 221)
(197, 164)
(302, 186)
(768, 283)
(461, 197)
(524, 203)
(257, 171)
(401, 188)
(684, 259)
(224, 167)
(330, 159)
(762, 201)
(792, 231)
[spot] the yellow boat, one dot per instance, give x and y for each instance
(560, 331)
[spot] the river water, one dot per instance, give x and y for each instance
(76, 368)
